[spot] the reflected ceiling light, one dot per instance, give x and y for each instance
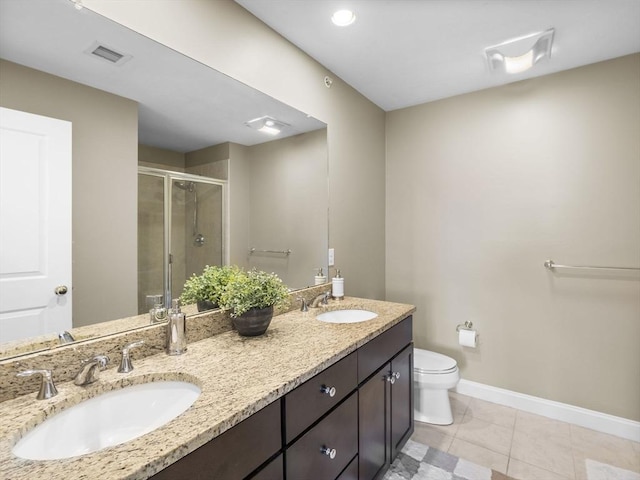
(267, 125)
(342, 18)
(519, 55)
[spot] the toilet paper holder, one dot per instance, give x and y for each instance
(466, 326)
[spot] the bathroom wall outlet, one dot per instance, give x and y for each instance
(332, 257)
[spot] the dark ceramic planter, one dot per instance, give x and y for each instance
(254, 322)
(204, 305)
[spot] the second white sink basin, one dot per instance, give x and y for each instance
(346, 316)
(109, 419)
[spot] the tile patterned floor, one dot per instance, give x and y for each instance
(530, 447)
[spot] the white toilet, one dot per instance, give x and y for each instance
(433, 375)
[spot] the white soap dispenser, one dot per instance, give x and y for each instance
(337, 286)
(320, 278)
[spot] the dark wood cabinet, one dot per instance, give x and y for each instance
(274, 470)
(373, 420)
(327, 448)
(317, 396)
(385, 406)
(346, 423)
(401, 400)
(236, 453)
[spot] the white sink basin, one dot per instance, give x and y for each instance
(347, 316)
(109, 419)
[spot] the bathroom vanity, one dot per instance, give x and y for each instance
(307, 400)
(347, 423)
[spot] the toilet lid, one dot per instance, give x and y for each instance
(432, 362)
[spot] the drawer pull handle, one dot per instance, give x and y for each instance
(329, 452)
(331, 391)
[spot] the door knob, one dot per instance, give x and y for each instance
(61, 290)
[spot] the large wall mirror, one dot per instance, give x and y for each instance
(150, 124)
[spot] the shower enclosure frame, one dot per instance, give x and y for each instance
(169, 177)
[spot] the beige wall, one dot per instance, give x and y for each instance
(482, 189)
(104, 176)
(288, 206)
(223, 35)
(239, 201)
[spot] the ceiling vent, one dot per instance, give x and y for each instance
(107, 54)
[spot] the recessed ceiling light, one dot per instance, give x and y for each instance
(342, 18)
(519, 55)
(267, 125)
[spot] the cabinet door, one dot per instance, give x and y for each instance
(373, 415)
(401, 400)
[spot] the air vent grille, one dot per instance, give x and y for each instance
(107, 54)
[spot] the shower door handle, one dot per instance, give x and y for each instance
(61, 290)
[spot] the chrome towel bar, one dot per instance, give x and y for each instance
(551, 265)
(282, 252)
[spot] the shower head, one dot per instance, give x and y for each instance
(188, 186)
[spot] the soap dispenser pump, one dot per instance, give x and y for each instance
(176, 330)
(320, 278)
(337, 286)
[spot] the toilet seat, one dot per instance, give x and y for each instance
(433, 363)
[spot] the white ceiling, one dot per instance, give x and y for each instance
(183, 105)
(400, 53)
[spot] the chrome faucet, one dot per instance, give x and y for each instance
(322, 299)
(125, 364)
(47, 387)
(89, 370)
(65, 337)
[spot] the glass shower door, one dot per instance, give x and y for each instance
(151, 238)
(196, 229)
(170, 251)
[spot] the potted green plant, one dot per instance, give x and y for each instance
(251, 296)
(205, 289)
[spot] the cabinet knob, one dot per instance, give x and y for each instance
(329, 452)
(331, 391)
(392, 377)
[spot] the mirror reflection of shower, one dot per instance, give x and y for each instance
(176, 213)
(198, 238)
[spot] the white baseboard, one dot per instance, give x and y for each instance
(602, 422)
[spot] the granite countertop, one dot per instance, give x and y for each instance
(238, 376)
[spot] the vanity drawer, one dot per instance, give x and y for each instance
(308, 402)
(378, 351)
(339, 431)
(234, 454)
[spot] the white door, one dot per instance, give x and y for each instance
(35, 225)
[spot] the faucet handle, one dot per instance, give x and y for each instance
(125, 364)
(325, 299)
(47, 387)
(304, 306)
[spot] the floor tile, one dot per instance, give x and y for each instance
(523, 471)
(492, 412)
(485, 434)
(459, 402)
(433, 437)
(601, 447)
(480, 455)
(452, 429)
(547, 455)
(603, 471)
(543, 427)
